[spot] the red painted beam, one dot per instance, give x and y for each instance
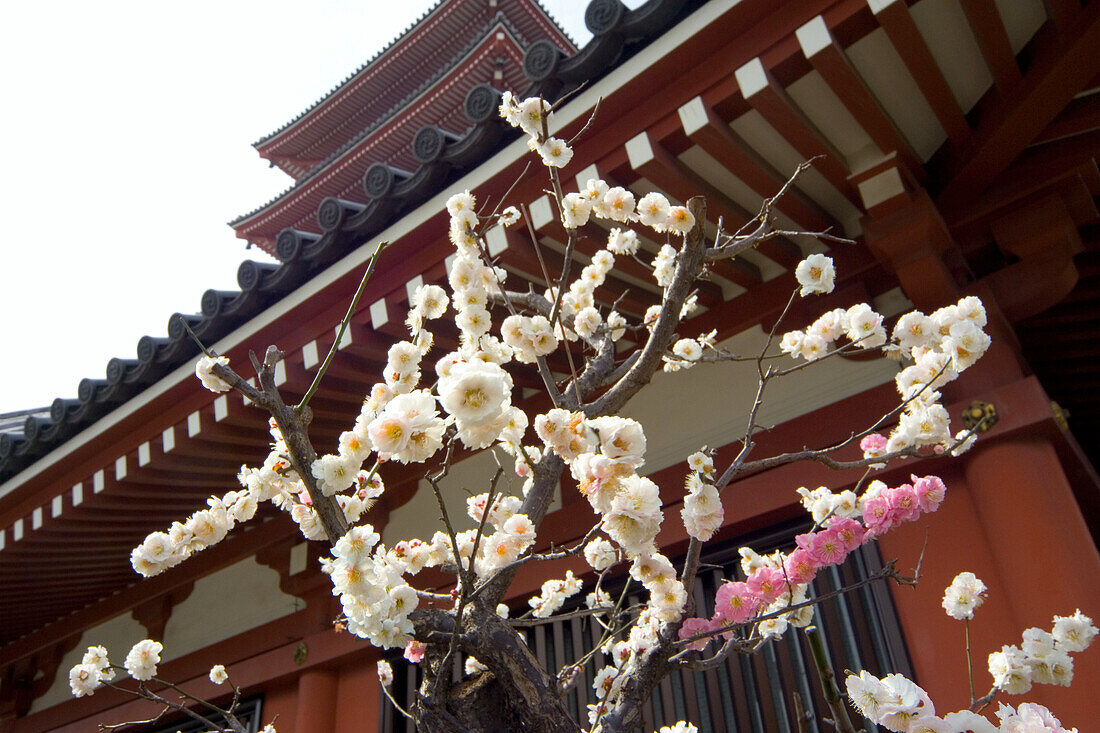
(1080, 116)
(910, 45)
(828, 58)
(722, 144)
(1061, 69)
(777, 109)
(989, 30)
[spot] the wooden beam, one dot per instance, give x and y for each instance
(1079, 117)
(1062, 13)
(650, 159)
(1061, 68)
(706, 129)
(828, 58)
(764, 95)
(242, 544)
(989, 30)
(894, 17)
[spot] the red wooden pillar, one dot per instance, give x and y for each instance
(316, 701)
(1044, 552)
(1011, 518)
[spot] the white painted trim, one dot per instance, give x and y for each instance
(36, 518)
(751, 78)
(194, 424)
(542, 213)
(221, 408)
(652, 55)
(120, 468)
(310, 357)
(639, 150)
(379, 314)
(145, 454)
(814, 37)
(693, 116)
(496, 240)
(345, 340)
(168, 439)
(57, 506)
(881, 187)
(583, 176)
(17, 530)
(412, 285)
(99, 481)
(78, 494)
(877, 6)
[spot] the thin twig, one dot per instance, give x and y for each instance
(343, 327)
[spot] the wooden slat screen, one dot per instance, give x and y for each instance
(747, 693)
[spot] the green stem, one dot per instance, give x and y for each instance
(841, 721)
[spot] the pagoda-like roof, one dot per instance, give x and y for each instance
(495, 57)
(410, 62)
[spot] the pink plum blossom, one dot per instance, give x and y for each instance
(414, 651)
(692, 626)
(735, 603)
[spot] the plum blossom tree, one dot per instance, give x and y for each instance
(470, 404)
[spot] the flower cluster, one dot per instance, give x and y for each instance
(702, 512)
(275, 481)
(95, 668)
(1043, 657)
(376, 599)
(860, 325)
(898, 704)
(513, 533)
(778, 581)
(553, 594)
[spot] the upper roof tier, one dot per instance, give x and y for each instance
(410, 62)
(495, 58)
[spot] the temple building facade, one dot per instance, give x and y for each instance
(955, 142)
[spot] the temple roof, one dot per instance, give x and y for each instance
(391, 136)
(410, 61)
(995, 140)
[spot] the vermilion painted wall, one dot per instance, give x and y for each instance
(1011, 518)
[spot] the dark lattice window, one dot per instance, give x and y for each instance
(747, 693)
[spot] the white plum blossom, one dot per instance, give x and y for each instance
(600, 554)
(815, 274)
(204, 370)
(680, 220)
(964, 595)
(622, 241)
(385, 672)
(218, 675)
(143, 659)
(84, 679)
(1074, 633)
(653, 211)
(554, 152)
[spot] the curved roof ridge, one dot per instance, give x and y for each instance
(384, 118)
(362, 67)
(263, 284)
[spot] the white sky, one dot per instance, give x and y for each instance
(127, 129)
